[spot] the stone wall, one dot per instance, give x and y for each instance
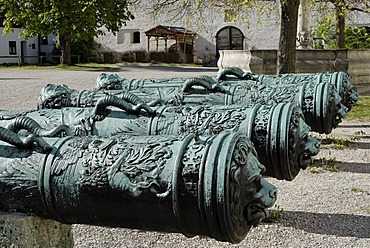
(359, 69)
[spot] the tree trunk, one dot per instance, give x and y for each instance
(65, 44)
(340, 24)
(286, 62)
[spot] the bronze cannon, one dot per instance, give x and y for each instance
(195, 185)
(320, 103)
(278, 131)
(338, 79)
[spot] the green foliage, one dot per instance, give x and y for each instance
(328, 18)
(83, 48)
(76, 20)
(323, 164)
(366, 209)
(274, 215)
(361, 111)
(357, 190)
(324, 34)
(73, 21)
(337, 143)
(357, 37)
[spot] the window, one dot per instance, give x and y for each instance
(136, 37)
(33, 46)
(12, 47)
(44, 41)
(120, 36)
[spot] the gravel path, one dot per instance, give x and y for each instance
(319, 208)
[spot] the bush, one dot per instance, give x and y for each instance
(357, 37)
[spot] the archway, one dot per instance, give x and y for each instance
(229, 38)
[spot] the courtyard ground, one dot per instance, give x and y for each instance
(325, 206)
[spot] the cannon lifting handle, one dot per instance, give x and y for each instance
(127, 102)
(235, 71)
(14, 139)
(207, 83)
(29, 124)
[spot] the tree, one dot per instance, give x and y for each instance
(286, 61)
(357, 37)
(340, 22)
(71, 20)
(288, 28)
(342, 9)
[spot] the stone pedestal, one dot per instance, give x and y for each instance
(20, 230)
(234, 58)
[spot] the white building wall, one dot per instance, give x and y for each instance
(260, 35)
(29, 47)
(257, 36)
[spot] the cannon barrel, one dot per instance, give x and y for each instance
(320, 103)
(195, 185)
(338, 79)
(279, 133)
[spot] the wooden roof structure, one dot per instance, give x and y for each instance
(179, 34)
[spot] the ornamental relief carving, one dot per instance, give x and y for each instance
(131, 164)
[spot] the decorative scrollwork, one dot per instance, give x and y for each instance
(191, 162)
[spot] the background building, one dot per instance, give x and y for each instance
(215, 31)
(15, 49)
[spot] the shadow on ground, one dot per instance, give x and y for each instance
(355, 168)
(150, 67)
(179, 68)
(328, 224)
(16, 79)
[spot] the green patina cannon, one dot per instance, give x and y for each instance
(195, 185)
(320, 103)
(338, 79)
(278, 131)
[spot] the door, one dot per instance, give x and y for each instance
(229, 38)
(23, 50)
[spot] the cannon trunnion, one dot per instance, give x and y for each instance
(194, 185)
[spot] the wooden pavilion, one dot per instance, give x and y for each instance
(184, 39)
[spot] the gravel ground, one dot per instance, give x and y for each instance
(320, 208)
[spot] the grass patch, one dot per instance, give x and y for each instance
(274, 215)
(323, 165)
(336, 143)
(361, 111)
(93, 66)
(357, 190)
(75, 67)
(88, 66)
(366, 209)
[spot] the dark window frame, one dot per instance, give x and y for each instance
(44, 41)
(12, 47)
(136, 37)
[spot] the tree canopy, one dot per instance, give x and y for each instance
(337, 12)
(71, 20)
